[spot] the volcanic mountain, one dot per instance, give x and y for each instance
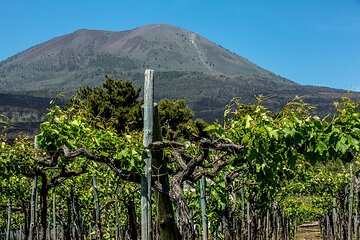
(186, 66)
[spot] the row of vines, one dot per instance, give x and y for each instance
(257, 175)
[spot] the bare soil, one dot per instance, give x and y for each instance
(308, 231)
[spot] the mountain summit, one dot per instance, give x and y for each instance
(186, 65)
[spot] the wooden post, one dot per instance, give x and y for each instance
(203, 208)
(54, 216)
(277, 230)
(146, 179)
(335, 219)
(97, 210)
(351, 197)
(357, 206)
(36, 228)
(90, 231)
(165, 217)
(21, 232)
(117, 231)
(295, 227)
(267, 226)
(33, 201)
(48, 229)
(248, 221)
(8, 220)
(327, 226)
(77, 225)
(242, 213)
(62, 228)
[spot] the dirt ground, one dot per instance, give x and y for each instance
(309, 231)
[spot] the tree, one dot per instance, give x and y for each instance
(176, 121)
(116, 104)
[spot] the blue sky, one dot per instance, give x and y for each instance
(314, 42)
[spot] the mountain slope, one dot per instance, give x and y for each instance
(83, 57)
(186, 65)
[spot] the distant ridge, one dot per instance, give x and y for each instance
(185, 63)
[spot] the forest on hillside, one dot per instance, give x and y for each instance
(259, 174)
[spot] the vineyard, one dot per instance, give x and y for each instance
(256, 175)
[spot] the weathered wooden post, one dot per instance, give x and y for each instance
(248, 221)
(335, 219)
(203, 208)
(165, 217)
(54, 217)
(117, 231)
(357, 218)
(242, 213)
(33, 201)
(351, 197)
(146, 179)
(99, 234)
(267, 226)
(21, 232)
(8, 220)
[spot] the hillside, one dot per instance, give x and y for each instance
(186, 64)
(83, 57)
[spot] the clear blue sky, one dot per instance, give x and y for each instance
(313, 42)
